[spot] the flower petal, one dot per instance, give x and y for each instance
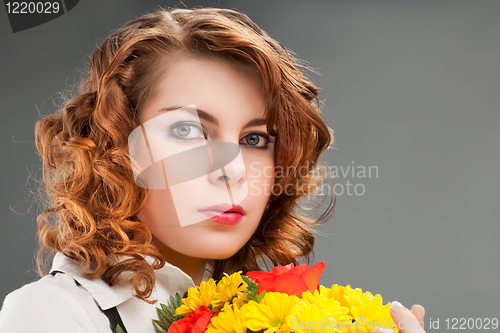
(299, 269)
(311, 276)
(268, 284)
(254, 275)
(282, 269)
(291, 284)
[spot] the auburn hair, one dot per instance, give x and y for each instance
(86, 164)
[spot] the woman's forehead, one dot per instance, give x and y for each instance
(218, 89)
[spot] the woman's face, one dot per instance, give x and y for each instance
(207, 137)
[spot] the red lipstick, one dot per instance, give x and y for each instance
(224, 213)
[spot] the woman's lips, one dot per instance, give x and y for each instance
(224, 213)
(221, 217)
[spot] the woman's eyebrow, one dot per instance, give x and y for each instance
(208, 117)
(255, 122)
(201, 114)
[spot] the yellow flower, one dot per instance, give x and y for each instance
(240, 300)
(369, 312)
(310, 318)
(366, 309)
(332, 306)
(337, 293)
(229, 320)
(228, 288)
(197, 296)
(271, 313)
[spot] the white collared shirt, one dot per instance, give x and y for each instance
(56, 304)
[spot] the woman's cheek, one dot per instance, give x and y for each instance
(260, 175)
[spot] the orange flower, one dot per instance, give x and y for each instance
(289, 279)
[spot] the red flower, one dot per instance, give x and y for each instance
(194, 322)
(289, 279)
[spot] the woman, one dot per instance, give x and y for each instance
(161, 171)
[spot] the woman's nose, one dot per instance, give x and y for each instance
(232, 173)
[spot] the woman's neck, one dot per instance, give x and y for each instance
(194, 267)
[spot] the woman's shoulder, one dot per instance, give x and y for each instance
(57, 289)
(54, 303)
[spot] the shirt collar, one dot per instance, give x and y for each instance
(169, 277)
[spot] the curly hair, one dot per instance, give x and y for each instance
(93, 197)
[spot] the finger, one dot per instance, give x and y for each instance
(419, 311)
(405, 319)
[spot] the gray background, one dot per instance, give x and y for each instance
(411, 87)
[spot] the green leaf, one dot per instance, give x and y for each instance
(168, 309)
(168, 318)
(261, 296)
(168, 314)
(178, 299)
(119, 329)
(161, 324)
(172, 302)
(253, 288)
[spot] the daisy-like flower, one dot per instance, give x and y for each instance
(231, 319)
(332, 306)
(198, 296)
(311, 318)
(369, 312)
(229, 287)
(337, 293)
(271, 313)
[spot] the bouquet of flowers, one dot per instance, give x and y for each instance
(287, 299)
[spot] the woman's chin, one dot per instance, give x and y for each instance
(216, 254)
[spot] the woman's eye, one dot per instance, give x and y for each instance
(183, 130)
(256, 140)
(187, 131)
